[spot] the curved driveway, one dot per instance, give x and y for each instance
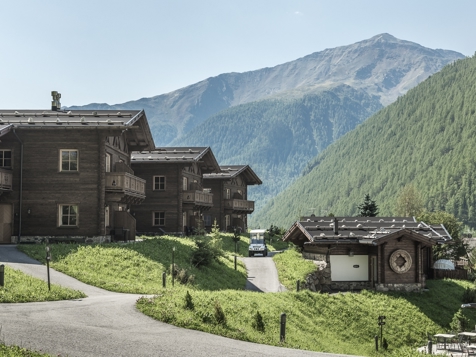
(262, 274)
(107, 324)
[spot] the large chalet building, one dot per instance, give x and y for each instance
(230, 196)
(96, 176)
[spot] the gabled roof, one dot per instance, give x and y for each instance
(135, 123)
(186, 155)
(362, 230)
(230, 171)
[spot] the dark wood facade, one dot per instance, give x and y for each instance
(230, 196)
(392, 253)
(176, 198)
(70, 173)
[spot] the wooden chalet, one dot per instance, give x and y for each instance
(230, 196)
(66, 175)
(176, 198)
(382, 253)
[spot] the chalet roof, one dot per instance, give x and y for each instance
(230, 171)
(185, 155)
(362, 230)
(135, 122)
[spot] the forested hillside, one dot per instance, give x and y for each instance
(277, 137)
(426, 138)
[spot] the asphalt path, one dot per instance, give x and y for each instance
(107, 324)
(262, 274)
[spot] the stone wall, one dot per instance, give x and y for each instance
(61, 239)
(399, 287)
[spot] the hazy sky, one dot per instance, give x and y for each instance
(115, 51)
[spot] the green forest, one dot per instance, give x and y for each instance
(277, 137)
(426, 138)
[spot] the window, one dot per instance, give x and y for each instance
(106, 216)
(227, 221)
(208, 220)
(108, 162)
(69, 160)
(159, 183)
(185, 184)
(159, 219)
(6, 158)
(227, 194)
(68, 215)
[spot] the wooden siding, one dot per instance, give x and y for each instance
(168, 200)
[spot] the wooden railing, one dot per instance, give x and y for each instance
(200, 198)
(6, 178)
(240, 205)
(125, 182)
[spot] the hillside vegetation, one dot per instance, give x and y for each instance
(425, 138)
(277, 137)
(214, 300)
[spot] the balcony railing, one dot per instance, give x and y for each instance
(124, 182)
(198, 198)
(6, 178)
(240, 205)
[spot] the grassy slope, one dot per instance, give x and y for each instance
(20, 287)
(341, 323)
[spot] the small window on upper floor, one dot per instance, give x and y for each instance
(108, 162)
(159, 183)
(68, 160)
(6, 158)
(185, 184)
(227, 194)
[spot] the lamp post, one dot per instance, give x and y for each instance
(48, 258)
(173, 265)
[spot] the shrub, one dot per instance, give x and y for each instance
(220, 317)
(189, 305)
(184, 276)
(459, 322)
(258, 323)
(469, 295)
(207, 249)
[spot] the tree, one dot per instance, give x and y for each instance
(409, 202)
(457, 248)
(368, 208)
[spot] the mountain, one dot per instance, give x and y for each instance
(278, 136)
(426, 138)
(383, 66)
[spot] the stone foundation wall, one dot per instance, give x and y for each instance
(415, 287)
(62, 239)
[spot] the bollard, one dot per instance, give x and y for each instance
(48, 258)
(164, 275)
(376, 343)
(2, 275)
(430, 347)
(282, 332)
(235, 262)
(298, 285)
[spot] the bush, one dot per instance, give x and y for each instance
(184, 276)
(459, 322)
(220, 317)
(189, 305)
(258, 323)
(207, 249)
(469, 296)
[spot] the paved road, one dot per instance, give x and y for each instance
(107, 324)
(262, 274)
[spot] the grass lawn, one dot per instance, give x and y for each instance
(216, 301)
(14, 351)
(20, 287)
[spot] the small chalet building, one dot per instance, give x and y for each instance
(67, 174)
(230, 196)
(382, 253)
(176, 199)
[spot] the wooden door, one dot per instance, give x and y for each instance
(6, 215)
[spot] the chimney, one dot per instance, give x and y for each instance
(55, 103)
(336, 226)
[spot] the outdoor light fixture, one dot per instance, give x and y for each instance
(28, 211)
(351, 253)
(114, 182)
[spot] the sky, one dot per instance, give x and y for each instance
(113, 51)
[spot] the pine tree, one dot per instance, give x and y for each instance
(368, 208)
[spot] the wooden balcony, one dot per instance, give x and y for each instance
(240, 206)
(130, 187)
(199, 199)
(6, 178)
